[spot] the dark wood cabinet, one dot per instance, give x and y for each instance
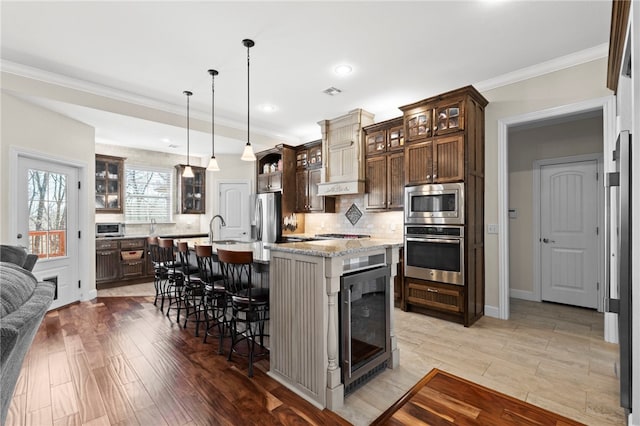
(276, 171)
(191, 192)
(107, 261)
(108, 185)
(398, 283)
(384, 165)
(120, 260)
(308, 176)
(450, 149)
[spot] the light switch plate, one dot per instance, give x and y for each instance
(492, 228)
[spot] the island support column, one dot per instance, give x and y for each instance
(393, 258)
(335, 388)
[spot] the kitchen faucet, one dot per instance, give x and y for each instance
(222, 222)
(152, 226)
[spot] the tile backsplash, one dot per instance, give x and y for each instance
(376, 224)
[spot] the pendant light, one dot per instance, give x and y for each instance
(188, 171)
(213, 163)
(248, 154)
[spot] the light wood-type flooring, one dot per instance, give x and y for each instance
(119, 360)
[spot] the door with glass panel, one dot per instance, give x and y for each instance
(47, 221)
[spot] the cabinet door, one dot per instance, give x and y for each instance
(302, 186)
(275, 181)
(376, 182)
(433, 295)
(449, 118)
(108, 184)
(107, 265)
(418, 163)
(418, 124)
(376, 142)
(448, 159)
(302, 158)
(395, 138)
(191, 191)
(395, 180)
(316, 203)
(263, 183)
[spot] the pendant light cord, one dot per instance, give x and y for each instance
(248, 109)
(188, 94)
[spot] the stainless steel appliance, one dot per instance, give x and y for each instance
(434, 204)
(365, 337)
(621, 304)
(109, 229)
(341, 236)
(268, 217)
(434, 253)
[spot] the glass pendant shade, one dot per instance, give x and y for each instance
(247, 154)
(213, 165)
(187, 172)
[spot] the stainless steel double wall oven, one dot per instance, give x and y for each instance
(434, 232)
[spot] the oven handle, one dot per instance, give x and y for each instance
(348, 360)
(435, 240)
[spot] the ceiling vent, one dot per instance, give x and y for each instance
(332, 91)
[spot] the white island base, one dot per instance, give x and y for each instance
(304, 281)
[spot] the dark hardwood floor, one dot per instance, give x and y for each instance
(120, 360)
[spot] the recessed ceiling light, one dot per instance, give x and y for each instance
(268, 108)
(166, 140)
(332, 91)
(343, 69)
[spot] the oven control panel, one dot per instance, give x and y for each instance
(449, 231)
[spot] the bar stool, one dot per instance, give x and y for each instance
(159, 271)
(193, 291)
(215, 296)
(249, 305)
(174, 283)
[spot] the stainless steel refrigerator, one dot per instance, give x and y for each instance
(267, 219)
(621, 180)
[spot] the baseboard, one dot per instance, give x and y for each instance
(91, 294)
(492, 311)
(522, 294)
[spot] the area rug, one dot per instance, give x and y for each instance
(441, 398)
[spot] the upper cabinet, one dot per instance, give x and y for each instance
(343, 153)
(308, 176)
(384, 145)
(437, 135)
(191, 191)
(109, 181)
(276, 171)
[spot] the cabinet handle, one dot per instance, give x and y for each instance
(428, 176)
(108, 253)
(435, 176)
(432, 290)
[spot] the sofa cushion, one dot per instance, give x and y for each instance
(17, 287)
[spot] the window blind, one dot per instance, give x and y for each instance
(148, 195)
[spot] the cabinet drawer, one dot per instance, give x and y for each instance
(435, 296)
(136, 243)
(132, 268)
(106, 245)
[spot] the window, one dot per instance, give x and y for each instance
(148, 194)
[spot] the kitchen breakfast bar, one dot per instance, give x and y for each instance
(331, 325)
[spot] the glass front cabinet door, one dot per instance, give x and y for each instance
(191, 191)
(109, 179)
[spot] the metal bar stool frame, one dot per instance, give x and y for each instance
(215, 296)
(174, 283)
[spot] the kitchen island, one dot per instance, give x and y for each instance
(305, 317)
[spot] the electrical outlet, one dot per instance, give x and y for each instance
(492, 228)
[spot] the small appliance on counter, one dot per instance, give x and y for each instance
(109, 229)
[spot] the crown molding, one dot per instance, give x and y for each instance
(85, 86)
(557, 64)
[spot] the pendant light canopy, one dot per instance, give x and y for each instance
(188, 171)
(213, 163)
(248, 154)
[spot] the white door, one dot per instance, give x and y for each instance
(568, 239)
(234, 207)
(47, 223)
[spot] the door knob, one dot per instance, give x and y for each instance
(19, 236)
(547, 241)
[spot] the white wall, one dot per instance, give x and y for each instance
(30, 128)
(583, 136)
(579, 83)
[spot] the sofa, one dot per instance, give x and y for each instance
(23, 304)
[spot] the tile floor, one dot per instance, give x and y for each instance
(550, 355)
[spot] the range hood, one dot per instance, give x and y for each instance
(343, 153)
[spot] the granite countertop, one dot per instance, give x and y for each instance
(260, 251)
(333, 248)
